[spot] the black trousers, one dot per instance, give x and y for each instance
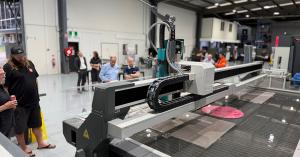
(95, 76)
(82, 74)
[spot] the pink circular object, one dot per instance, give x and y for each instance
(222, 112)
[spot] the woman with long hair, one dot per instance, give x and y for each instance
(96, 65)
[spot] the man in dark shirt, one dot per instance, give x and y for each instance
(6, 108)
(131, 71)
(21, 81)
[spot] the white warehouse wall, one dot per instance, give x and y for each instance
(108, 22)
(98, 22)
(224, 35)
(40, 18)
(186, 22)
(211, 30)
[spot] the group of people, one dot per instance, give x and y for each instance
(19, 100)
(111, 70)
(81, 68)
(222, 61)
(108, 72)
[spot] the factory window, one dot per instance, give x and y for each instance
(222, 25)
(230, 27)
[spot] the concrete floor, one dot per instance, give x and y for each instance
(62, 102)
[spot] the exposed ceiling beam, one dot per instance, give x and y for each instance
(261, 14)
(282, 12)
(184, 5)
(249, 11)
(287, 11)
(209, 2)
(267, 17)
(296, 5)
(231, 7)
(273, 1)
(263, 9)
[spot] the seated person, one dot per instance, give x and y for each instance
(209, 59)
(131, 71)
(109, 71)
(222, 62)
(7, 107)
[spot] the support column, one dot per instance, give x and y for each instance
(153, 19)
(63, 38)
(22, 25)
(198, 30)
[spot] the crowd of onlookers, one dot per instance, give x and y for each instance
(19, 96)
(221, 59)
(108, 72)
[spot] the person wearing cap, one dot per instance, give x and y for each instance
(222, 62)
(21, 81)
(7, 107)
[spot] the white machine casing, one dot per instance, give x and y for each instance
(201, 78)
(281, 58)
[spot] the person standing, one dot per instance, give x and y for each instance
(131, 71)
(7, 107)
(109, 71)
(96, 65)
(228, 54)
(81, 66)
(21, 81)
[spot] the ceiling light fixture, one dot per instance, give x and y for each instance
(256, 9)
(247, 16)
(267, 7)
(276, 13)
(230, 13)
(217, 4)
(242, 11)
(286, 4)
(234, 10)
(225, 4)
(240, 1)
(211, 7)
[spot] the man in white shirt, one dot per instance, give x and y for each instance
(81, 66)
(209, 59)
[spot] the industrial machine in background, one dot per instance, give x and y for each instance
(248, 53)
(294, 66)
(281, 58)
(106, 130)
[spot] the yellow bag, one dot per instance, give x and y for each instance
(32, 138)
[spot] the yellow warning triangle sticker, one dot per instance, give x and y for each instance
(86, 134)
